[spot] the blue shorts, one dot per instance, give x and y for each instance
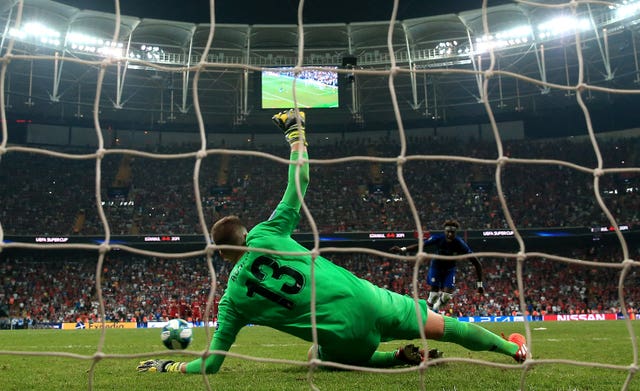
(441, 276)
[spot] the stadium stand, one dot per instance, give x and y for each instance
(40, 289)
(345, 197)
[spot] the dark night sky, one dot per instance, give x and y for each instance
(281, 11)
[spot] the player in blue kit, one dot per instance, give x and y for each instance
(442, 273)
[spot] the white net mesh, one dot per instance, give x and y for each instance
(487, 75)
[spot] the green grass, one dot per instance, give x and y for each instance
(606, 342)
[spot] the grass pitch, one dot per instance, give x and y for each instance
(69, 355)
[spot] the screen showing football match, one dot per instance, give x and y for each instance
(314, 88)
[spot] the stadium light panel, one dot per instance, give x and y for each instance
(42, 34)
(522, 34)
(561, 26)
(36, 31)
(629, 8)
(513, 36)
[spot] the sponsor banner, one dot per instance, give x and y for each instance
(49, 325)
(157, 325)
(402, 236)
(482, 319)
(98, 325)
(545, 318)
(574, 317)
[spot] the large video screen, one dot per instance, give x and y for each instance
(314, 88)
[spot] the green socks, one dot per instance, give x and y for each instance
(467, 335)
(474, 337)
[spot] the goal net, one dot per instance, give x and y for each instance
(419, 120)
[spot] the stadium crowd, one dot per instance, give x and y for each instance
(43, 195)
(61, 287)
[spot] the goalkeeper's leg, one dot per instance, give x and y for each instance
(364, 352)
(406, 355)
(471, 336)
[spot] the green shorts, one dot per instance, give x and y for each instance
(394, 319)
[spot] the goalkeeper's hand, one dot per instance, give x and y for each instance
(159, 366)
(480, 287)
(288, 122)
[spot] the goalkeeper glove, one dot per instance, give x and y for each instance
(288, 122)
(159, 366)
(410, 354)
(480, 287)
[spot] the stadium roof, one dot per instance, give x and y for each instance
(150, 65)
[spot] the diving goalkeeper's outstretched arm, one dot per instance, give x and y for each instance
(294, 130)
(230, 231)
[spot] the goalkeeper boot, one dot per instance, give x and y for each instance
(435, 353)
(523, 352)
(410, 354)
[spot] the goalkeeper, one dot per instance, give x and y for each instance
(353, 316)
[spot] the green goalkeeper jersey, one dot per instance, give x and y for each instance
(274, 290)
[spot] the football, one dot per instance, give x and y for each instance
(176, 334)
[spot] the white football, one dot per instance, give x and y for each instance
(176, 334)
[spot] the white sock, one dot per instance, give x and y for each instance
(443, 299)
(433, 298)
